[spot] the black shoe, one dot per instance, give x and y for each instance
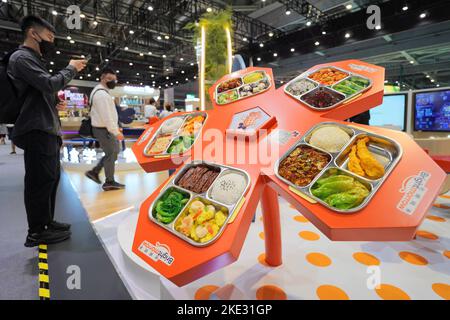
(59, 226)
(47, 236)
(13, 152)
(109, 186)
(93, 176)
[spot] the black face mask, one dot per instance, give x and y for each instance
(47, 48)
(111, 84)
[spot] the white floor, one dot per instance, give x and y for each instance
(314, 267)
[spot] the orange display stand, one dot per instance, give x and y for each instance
(393, 214)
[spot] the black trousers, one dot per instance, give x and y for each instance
(42, 175)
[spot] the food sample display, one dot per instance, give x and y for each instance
(303, 164)
(329, 138)
(301, 86)
(340, 190)
(230, 84)
(345, 177)
(352, 85)
(322, 98)
(249, 120)
(229, 187)
(242, 87)
(199, 178)
(169, 205)
(172, 125)
(327, 87)
(202, 220)
(328, 76)
(197, 203)
(176, 135)
(160, 144)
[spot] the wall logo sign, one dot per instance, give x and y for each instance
(158, 252)
(413, 190)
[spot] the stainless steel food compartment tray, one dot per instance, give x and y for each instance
(174, 135)
(381, 145)
(357, 93)
(172, 184)
(266, 78)
(326, 88)
(296, 79)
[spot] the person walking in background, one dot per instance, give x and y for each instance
(105, 127)
(37, 129)
(10, 128)
(167, 111)
(3, 133)
(150, 111)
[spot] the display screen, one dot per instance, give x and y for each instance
(74, 99)
(391, 114)
(432, 111)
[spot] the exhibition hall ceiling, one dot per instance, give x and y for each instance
(147, 40)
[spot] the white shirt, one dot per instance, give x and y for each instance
(164, 114)
(103, 110)
(150, 111)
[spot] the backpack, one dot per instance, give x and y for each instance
(10, 102)
(86, 124)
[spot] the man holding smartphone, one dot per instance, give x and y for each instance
(38, 130)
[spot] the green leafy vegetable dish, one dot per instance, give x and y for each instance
(181, 144)
(340, 191)
(170, 205)
(352, 85)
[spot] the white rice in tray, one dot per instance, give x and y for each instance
(329, 138)
(228, 188)
(172, 125)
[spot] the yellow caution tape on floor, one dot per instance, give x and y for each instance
(44, 280)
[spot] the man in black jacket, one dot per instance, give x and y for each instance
(37, 130)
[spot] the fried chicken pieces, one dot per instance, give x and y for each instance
(363, 163)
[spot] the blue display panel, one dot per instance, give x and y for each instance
(391, 114)
(432, 111)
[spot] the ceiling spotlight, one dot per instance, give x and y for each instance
(137, 73)
(271, 34)
(97, 79)
(288, 12)
(275, 54)
(89, 75)
(95, 23)
(377, 27)
(131, 31)
(54, 12)
(81, 77)
(412, 62)
(292, 49)
(281, 81)
(244, 39)
(167, 85)
(99, 43)
(51, 70)
(349, 6)
(182, 71)
(72, 41)
(438, 85)
(192, 63)
(385, 81)
(308, 23)
(317, 43)
(152, 75)
(97, 69)
(69, 38)
(106, 60)
(167, 69)
(259, 59)
(195, 77)
(150, 8)
(432, 80)
(176, 82)
(405, 7)
(126, 48)
(82, 16)
(141, 83)
(158, 37)
(187, 79)
(423, 15)
(141, 54)
(150, 53)
(208, 9)
(164, 56)
(428, 76)
(166, 37)
(52, 63)
(128, 82)
(150, 67)
(324, 32)
(131, 64)
(167, 78)
(171, 83)
(58, 52)
(117, 71)
(261, 45)
(181, 59)
(347, 35)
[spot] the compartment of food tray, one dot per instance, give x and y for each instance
(369, 156)
(197, 178)
(181, 144)
(341, 191)
(169, 205)
(158, 145)
(227, 97)
(172, 125)
(202, 221)
(328, 75)
(352, 85)
(322, 98)
(330, 137)
(251, 89)
(301, 165)
(300, 86)
(229, 85)
(229, 187)
(192, 124)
